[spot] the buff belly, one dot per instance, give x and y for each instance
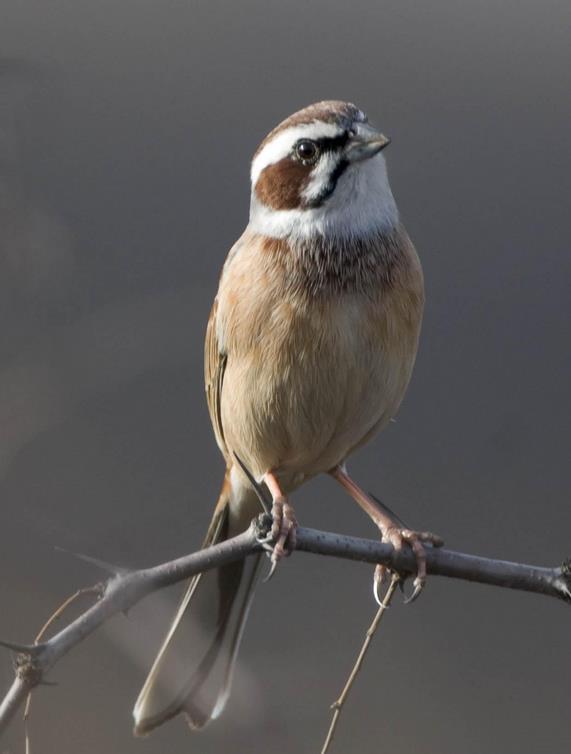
(315, 387)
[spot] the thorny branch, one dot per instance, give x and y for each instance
(126, 588)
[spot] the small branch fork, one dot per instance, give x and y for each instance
(126, 588)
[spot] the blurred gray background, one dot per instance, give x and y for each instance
(126, 130)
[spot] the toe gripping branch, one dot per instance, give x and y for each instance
(563, 580)
(417, 541)
(263, 529)
(269, 533)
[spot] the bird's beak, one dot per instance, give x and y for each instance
(366, 143)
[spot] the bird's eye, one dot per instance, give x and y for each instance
(307, 151)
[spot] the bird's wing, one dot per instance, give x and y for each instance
(214, 367)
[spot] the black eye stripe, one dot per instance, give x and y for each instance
(331, 143)
(328, 143)
(330, 186)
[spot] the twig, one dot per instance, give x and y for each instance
(56, 615)
(126, 589)
(68, 602)
(337, 706)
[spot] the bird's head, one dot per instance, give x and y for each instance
(321, 172)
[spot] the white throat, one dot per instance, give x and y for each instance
(361, 205)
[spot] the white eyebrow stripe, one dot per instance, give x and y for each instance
(280, 146)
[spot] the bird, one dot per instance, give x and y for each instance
(309, 349)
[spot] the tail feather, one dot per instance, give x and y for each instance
(193, 669)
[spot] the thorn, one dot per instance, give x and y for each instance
(111, 568)
(258, 489)
(48, 683)
(28, 649)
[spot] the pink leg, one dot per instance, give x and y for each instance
(392, 531)
(284, 522)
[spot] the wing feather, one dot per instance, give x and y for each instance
(214, 367)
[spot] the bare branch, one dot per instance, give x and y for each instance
(553, 582)
(121, 593)
(126, 589)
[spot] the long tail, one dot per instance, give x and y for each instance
(193, 669)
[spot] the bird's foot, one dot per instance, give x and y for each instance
(282, 536)
(398, 537)
(283, 532)
(284, 526)
(393, 531)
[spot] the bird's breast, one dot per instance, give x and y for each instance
(311, 373)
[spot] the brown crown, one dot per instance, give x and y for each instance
(328, 111)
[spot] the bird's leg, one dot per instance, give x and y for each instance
(392, 530)
(284, 523)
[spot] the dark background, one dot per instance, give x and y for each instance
(126, 130)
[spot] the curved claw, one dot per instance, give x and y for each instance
(266, 544)
(378, 599)
(380, 571)
(378, 581)
(418, 586)
(376, 591)
(271, 572)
